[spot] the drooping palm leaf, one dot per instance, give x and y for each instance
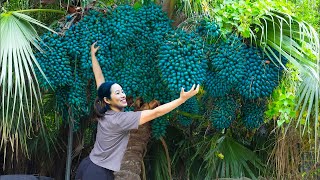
(229, 159)
(158, 162)
(299, 43)
(20, 92)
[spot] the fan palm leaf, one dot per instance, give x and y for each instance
(230, 159)
(299, 43)
(20, 92)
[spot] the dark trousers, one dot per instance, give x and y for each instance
(87, 170)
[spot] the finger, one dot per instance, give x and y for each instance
(97, 48)
(182, 90)
(192, 88)
(93, 44)
(197, 88)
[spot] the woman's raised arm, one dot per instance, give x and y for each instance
(96, 67)
(148, 115)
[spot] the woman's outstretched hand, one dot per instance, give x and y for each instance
(94, 49)
(186, 95)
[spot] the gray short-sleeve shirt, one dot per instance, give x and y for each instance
(112, 138)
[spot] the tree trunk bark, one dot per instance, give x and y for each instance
(169, 7)
(132, 162)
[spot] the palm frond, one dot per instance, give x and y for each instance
(20, 92)
(159, 162)
(299, 43)
(229, 159)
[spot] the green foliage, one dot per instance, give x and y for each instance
(188, 154)
(308, 11)
(14, 5)
(282, 104)
(237, 15)
(229, 159)
(203, 153)
(314, 173)
(136, 3)
(272, 26)
(48, 137)
(234, 15)
(303, 45)
(21, 96)
(210, 157)
(195, 8)
(157, 161)
(242, 14)
(89, 134)
(47, 18)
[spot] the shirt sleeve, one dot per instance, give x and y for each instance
(128, 120)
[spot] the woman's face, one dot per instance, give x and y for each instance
(118, 98)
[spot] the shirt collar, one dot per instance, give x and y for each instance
(110, 112)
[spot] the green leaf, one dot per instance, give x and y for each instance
(20, 92)
(280, 122)
(246, 33)
(292, 114)
(271, 112)
(137, 5)
(219, 19)
(237, 160)
(282, 97)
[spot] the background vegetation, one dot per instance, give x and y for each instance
(286, 146)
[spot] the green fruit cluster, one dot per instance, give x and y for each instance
(129, 43)
(253, 113)
(141, 51)
(224, 111)
(208, 29)
(159, 126)
(182, 62)
(261, 75)
(236, 68)
(191, 106)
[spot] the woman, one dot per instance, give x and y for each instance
(114, 125)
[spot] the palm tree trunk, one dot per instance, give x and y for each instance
(169, 7)
(132, 162)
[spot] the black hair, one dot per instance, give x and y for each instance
(104, 90)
